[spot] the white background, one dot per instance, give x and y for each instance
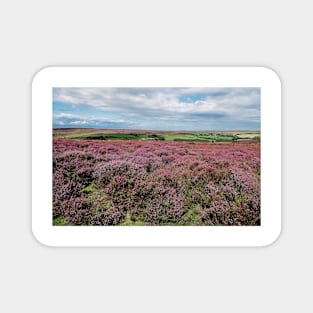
(270, 85)
(35, 34)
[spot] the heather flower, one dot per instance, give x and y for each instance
(156, 183)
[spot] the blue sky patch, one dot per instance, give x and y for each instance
(157, 108)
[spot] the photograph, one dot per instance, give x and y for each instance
(156, 156)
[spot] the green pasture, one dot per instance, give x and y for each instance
(170, 136)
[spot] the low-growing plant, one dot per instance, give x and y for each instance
(156, 183)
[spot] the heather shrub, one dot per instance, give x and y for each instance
(156, 183)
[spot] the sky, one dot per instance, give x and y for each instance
(157, 108)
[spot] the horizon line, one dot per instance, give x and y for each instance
(164, 130)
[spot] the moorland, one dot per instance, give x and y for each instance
(156, 178)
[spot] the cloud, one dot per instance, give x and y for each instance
(72, 120)
(191, 108)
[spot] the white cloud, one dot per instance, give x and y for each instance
(137, 104)
(79, 123)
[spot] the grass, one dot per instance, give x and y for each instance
(132, 223)
(89, 189)
(192, 216)
(196, 136)
(206, 137)
(129, 222)
(188, 137)
(109, 136)
(59, 221)
(130, 136)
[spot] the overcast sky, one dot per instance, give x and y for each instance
(157, 108)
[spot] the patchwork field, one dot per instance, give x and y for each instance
(155, 178)
(195, 136)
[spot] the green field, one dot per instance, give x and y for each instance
(91, 134)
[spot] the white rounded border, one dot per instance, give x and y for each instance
(145, 236)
